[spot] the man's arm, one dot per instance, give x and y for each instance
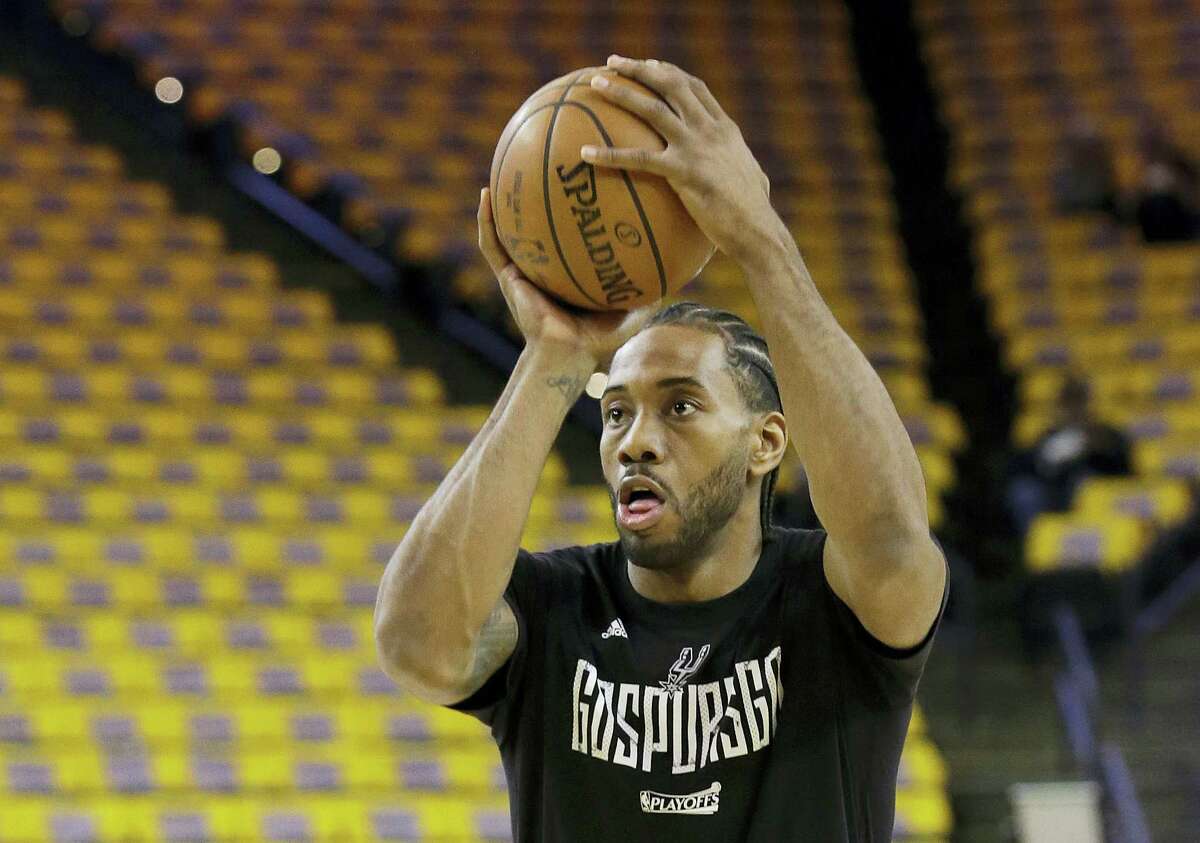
(865, 480)
(864, 476)
(442, 626)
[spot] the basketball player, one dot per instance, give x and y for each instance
(709, 677)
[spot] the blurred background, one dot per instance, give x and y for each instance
(245, 331)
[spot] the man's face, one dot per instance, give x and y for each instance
(675, 424)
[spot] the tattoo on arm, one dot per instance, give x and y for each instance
(569, 385)
(496, 643)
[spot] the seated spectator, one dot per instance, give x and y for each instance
(1167, 202)
(1086, 179)
(1044, 477)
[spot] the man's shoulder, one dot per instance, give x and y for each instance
(570, 561)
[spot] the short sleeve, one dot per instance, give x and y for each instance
(501, 693)
(886, 676)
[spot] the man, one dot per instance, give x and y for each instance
(707, 676)
(1044, 477)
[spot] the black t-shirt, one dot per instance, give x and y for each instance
(769, 714)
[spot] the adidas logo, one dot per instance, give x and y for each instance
(616, 629)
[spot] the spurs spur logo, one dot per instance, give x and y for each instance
(685, 668)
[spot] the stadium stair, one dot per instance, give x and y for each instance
(965, 368)
(1149, 700)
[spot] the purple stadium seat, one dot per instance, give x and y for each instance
(395, 824)
(423, 775)
(184, 827)
(31, 777)
(289, 826)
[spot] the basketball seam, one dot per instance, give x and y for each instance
(562, 258)
(633, 194)
(508, 145)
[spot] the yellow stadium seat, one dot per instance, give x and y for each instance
(921, 766)
(1066, 540)
(920, 813)
(1163, 501)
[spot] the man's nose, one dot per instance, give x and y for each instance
(641, 444)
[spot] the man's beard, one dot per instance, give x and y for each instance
(707, 509)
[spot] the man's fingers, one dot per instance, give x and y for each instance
(665, 79)
(706, 99)
(640, 160)
(489, 240)
(503, 267)
(653, 110)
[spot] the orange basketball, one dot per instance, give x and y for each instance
(593, 237)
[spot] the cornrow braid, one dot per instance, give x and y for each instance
(749, 359)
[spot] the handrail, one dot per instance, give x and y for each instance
(1160, 611)
(1118, 785)
(1076, 689)
(1073, 644)
(314, 225)
(1077, 722)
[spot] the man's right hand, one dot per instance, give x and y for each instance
(544, 321)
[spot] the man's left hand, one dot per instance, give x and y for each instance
(706, 160)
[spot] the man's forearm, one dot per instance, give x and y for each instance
(454, 562)
(865, 478)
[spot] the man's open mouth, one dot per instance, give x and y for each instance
(639, 503)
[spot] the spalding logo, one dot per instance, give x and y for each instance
(579, 184)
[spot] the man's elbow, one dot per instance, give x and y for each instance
(415, 667)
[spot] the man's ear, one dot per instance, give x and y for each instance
(771, 444)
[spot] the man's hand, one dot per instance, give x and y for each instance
(542, 320)
(706, 160)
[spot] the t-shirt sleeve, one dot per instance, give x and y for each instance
(887, 676)
(501, 693)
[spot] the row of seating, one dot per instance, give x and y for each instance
(223, 675)
(193, 631)
(355, 769)
(181, 385)
(251, 429)
(290, 819)
(359, 346)
(187, 548)
(67, 235)
(271, 434)
(294, 311)
(1164, 268)
(1176, 347)
(280, 505)
(352, 770)
(224, 468)
(188, 276)
(1149, 383)
(80, 202)
(1149, 311)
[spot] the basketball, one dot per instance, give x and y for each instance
(593, 237)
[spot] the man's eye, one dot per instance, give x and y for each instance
(683, 408)
(614, 414)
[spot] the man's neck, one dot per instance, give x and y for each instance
(726, 565)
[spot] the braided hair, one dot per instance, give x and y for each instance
(750, 363)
